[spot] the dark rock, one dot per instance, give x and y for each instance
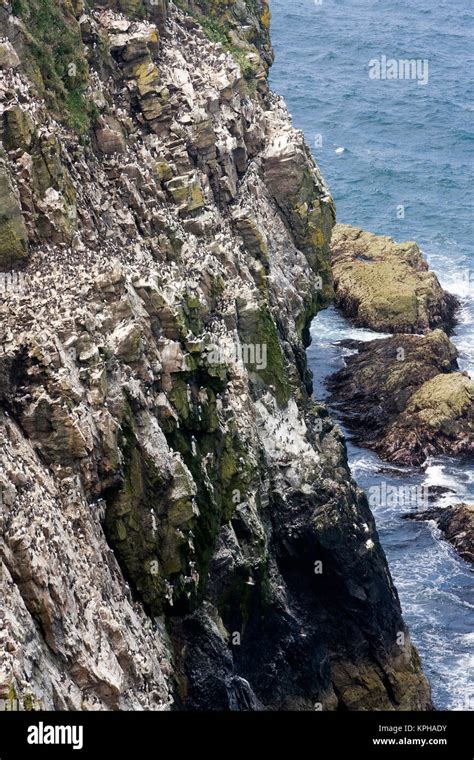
(456, 523)
(403, 397)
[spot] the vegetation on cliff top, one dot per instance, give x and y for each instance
(54, 58)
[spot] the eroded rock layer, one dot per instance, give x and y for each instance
(179, 524)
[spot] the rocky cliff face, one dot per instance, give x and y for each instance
(179, 524)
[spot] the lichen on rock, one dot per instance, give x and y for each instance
(403, 397)
(166, 496)
(387, 286)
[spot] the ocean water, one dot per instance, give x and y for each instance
(398, 157)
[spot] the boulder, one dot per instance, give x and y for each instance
(387, 286)
(109, 137)
(404, 398)
(8, 57)
(438, 419)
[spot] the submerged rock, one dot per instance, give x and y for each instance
(456, 523)
(387, 286)
(403, 397)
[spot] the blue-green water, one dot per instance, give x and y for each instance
(383, 145)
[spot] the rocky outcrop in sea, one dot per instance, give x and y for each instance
(456, 524)
(404, 397)
(179, 526)
(387, 286)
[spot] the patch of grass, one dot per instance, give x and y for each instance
(247, 69)
(55, 59)
(214, 30)
(79, 114)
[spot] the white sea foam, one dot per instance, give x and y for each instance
(436, 475)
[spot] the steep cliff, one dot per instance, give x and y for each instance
(179, 524)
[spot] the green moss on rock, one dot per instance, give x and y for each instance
(217, 458)
(129, 525)
(387, 286)
(13, 233)
(54, 58)
(442, 401)
(257, 328)
(18, 129)
(404, 398)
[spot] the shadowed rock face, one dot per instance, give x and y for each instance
(178, 531)
(386, 286)
(403, 397)
(456, 523)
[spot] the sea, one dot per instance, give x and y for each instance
(384, 94)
